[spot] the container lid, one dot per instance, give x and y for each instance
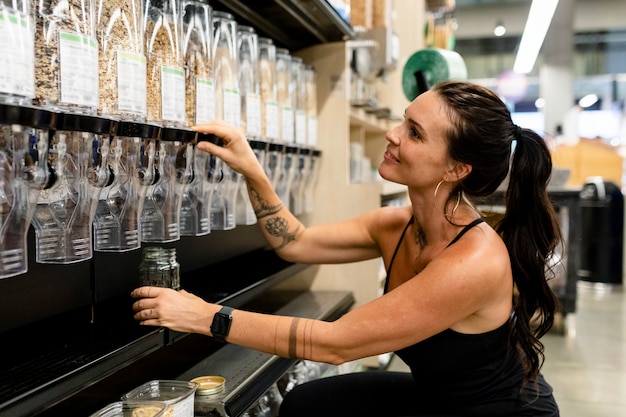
(209, 137)
(27, 116)
(291, 149)
(138, 130)
(178, 135)
(258, 144)
(209, 385)
(84, 123)
(276, 147)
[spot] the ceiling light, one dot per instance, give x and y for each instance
(588, 101)
(499, 30)
(537, 24)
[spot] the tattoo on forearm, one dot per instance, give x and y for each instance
(261, 207)
(279, 227)
(293, 338)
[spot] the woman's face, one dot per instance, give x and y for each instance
(417, 153)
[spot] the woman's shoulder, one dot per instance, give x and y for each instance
(387, 221)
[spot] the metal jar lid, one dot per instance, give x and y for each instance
(209, 385)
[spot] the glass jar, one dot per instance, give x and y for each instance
(196, 44)
(227, 97)
(23, 174)
(248, 68)
(122, 63)
(159, 268)
(284, 96)
(66, 55)
(17, 43)
(299, 100)
(311, 105)
(64, 214)
(267, 89)
(165, 67)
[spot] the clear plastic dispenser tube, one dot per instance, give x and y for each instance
(66, 55)
(197, 42)
(23, 174)
(267, 88)
(165, 64)
(227, 96)
(17, 43)
(131, 161)
(163, 200)
(122, 62)
(287, 173)
(78, 157)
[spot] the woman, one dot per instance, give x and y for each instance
(464, 304)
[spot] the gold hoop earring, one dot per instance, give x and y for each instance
(456, 205)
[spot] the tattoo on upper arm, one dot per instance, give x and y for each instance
(279, 227)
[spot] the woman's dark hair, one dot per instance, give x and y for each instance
(484, 136)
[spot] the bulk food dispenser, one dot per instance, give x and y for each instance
(195, 210)
(23, 174)
(66, 55)
(17, 43)
(131, 160)
(162, 203)
(267, 90)
(248, 69)
(196, 43)
(284, 96)
(78, 159)
(122, 69)
(299, 100)
(227, 108)
(165, 66)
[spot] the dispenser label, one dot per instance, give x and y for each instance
(17, 43)
(253, 115)
(78, 61)
(312, 131)
(173, 94)
(301, 127)
(287, 125)
(205, 100)
(232, 106)
(271, 120)
(131, 82)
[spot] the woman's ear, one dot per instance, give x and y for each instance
(458, 171)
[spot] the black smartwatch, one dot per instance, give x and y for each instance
(221, 324)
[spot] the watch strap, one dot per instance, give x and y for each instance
(220, 327)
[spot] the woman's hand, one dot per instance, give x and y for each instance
(236, 151)
(177, 310)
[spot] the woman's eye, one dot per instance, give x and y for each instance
(414, 133)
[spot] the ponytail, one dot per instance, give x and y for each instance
(531, 233)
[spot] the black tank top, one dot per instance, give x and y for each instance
(471, 374)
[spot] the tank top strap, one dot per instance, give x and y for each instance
(395, 252)
(465, 230)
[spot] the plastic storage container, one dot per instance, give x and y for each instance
(66, 55)
(17, 43)
(196, 44)
(23, 174)
(178, 396)
(267, 88)
(227, 96)
(132, 409)
(122, 63)
(165, 69)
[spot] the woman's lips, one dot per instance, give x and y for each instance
(390, 157)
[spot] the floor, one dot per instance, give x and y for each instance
(586, 366)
